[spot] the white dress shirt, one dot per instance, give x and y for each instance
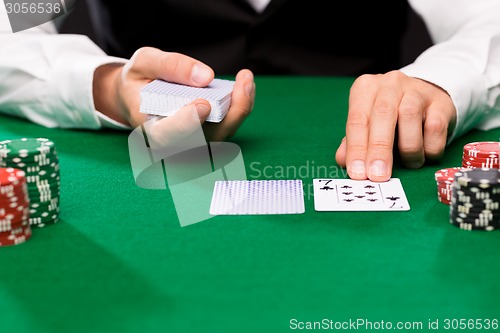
(465, 60)
(47, 78)
(259, 5)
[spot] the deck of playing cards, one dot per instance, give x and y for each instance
(162, 98)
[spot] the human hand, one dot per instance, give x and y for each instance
(117, 94)
(381, 106)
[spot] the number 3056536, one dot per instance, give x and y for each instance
(470, 324)
(33, 8)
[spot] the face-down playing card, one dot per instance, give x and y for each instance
(359, 195)
(257, 197)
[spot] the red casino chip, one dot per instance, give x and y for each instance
(480, 161)
(15, 236)
(447, 174)
(444, 181)
(14, 214)
(14, 207)
(492, 159)
(483, 149)
(9, 225)
(480, 164)
(19, 196)
(12, 176)
(445, 200)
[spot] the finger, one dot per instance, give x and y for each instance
(242, 101)
(152, 63)
(410, 123)
(383, 121)
(435, 131)
(361, 100)
(341, 152)
(173, 130)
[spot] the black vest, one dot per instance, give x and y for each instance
(304, 37)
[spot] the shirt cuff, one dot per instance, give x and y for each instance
(107, 122)
(72, 82)
(464, 86)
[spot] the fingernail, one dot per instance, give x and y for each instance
(249, 88)
(200, 74)
(202, 110)
(378, 168)
(249, 76)
(358, 167)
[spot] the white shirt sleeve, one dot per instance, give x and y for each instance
(47, 78)
(465, 60)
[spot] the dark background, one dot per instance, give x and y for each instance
(415, 41)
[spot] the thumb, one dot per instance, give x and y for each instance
(152, 63)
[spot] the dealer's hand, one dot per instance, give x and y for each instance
(116, 90)
(422, 114)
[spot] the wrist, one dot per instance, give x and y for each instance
(105, 91)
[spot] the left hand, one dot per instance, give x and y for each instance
(423, 112)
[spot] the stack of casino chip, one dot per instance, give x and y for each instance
(37, 157)
(475, 200)
(444, 180)
(484, 154)
(14, 207)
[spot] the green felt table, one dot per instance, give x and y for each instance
(118, 260)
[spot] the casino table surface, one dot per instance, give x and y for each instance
(118, 260)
